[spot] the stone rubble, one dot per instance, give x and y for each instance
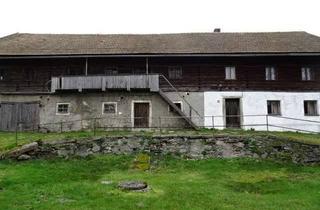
(189, 147)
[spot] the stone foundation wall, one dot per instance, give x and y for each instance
(198, 147)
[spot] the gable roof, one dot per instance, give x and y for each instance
(152, 44)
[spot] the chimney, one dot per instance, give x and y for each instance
(217, 30)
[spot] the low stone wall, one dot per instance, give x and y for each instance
(192, 147)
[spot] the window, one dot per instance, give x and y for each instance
(274, 107)
(109, 108)
(311, 108)
(110, 71)
(175, 72)
(63, 108)
(230, 73)
(178, 104)
(307, 74)
(270, 73)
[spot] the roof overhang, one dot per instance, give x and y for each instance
(156, 55)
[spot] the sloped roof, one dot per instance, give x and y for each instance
(21, 44)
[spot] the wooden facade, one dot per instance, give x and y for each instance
(198, 73)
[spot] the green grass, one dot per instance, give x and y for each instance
(176, 184)
(8, 139)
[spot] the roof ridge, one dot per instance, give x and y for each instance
(147, 34)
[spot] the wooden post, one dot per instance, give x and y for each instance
(147, 65)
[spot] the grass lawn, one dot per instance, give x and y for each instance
(176, 184)
(8, 139)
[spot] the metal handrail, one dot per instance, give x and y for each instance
(181, 96)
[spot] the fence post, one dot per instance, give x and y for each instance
(160, 125)
(267, 122)
(212, 122)
(61, 126)
(94, 126)
(17, 124)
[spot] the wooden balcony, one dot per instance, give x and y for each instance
(115, 82)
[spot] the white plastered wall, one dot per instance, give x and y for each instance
(255, 103)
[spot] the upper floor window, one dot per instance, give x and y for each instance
(63, 109)
(110, 71)
(175, 72)
(109, 108)
(311, 108)
(307, 74)
(230, 72)
(271, 73)
(274, 107)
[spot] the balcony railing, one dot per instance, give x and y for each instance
(124, 82)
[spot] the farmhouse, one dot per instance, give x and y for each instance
(262, 81)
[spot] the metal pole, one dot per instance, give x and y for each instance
(61, 127)
(94, 126)
(160, 124)
(267, 122)
(212, 122)
(17, 134)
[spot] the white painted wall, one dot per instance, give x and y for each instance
(255, 103)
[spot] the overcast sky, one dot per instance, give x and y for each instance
(157, 16)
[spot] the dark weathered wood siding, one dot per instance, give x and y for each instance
(16, 115)
(199, 73)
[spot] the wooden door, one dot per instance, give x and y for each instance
(233, 118)
(14, 113)
(141, 115)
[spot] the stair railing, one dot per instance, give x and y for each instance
(191, 109)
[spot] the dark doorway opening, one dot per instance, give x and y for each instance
(141, 114)
(233, 118)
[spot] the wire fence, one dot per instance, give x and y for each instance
(247, 122)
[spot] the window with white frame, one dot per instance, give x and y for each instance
(175, 72)
(271, 73)
(311, 108)
(178, 104)
(307, 74)
(230, 72)
(274, 107)
(63, 108)
(109, 108)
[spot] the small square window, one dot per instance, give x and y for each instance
(178, 104)
(307, 74)
(274, 108)
(175, 72)
(311, 108)
(270, 73)
(230, 73)
(63, 108)
(109, 108)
